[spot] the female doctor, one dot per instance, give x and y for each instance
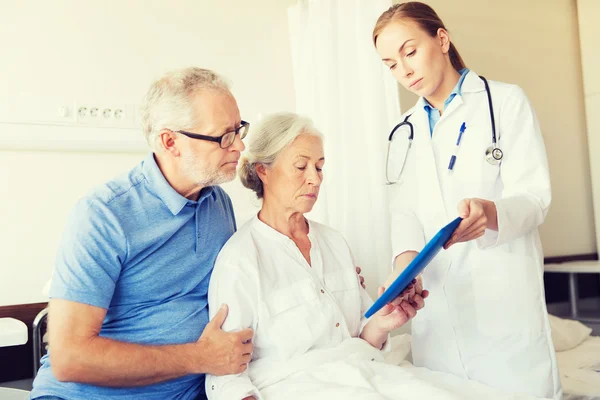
(486, 316)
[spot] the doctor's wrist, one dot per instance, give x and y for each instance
(491, 214)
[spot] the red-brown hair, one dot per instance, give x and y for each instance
(425, 17)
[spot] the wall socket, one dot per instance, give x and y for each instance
(105, 115)
(28, 110)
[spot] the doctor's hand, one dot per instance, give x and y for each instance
(478, 215)
(224, 353)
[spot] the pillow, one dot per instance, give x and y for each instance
(566, 333)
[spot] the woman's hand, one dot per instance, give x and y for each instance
(414, 294)
(392, 315)
(478, 215)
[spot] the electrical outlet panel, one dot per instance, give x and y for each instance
(105, 115)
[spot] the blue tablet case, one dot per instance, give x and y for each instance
(415, 267)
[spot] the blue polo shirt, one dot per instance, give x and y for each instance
(144, 253)
(434, 113)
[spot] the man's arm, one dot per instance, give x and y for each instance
(79, 354)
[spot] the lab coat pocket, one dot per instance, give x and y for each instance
(490, 180)
(506, 293)
(343, 284)
(292, 311)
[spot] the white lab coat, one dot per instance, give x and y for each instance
(486, 316)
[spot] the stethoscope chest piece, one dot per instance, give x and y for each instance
(494, 155)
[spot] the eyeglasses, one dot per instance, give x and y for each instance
(226, 139)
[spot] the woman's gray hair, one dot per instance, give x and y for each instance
(273, 134)
(169, 102)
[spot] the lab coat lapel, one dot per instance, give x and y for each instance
(454, 104)
(427, 165)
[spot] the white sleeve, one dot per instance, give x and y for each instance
(524, 172)
(365, 303)
(232, 285)
(406, 229)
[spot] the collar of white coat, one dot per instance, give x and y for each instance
(273, 234)
(471, 84)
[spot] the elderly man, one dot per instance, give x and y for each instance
(128, 310)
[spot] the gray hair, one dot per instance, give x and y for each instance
(273, 134)
(169, 101)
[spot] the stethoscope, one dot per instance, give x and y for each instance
(493, 154)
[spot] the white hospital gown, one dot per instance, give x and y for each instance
(306, 321)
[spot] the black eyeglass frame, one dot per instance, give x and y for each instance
(219, 139)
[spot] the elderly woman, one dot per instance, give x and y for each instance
(293, 282)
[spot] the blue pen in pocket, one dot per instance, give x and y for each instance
(453, 158)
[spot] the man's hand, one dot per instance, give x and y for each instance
(362, 279)
(80, 354)
(223, 352)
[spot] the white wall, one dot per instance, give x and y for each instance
(535, 44)
(588, 14)
(109, 52)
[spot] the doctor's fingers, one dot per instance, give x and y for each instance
(474, 217)
(474, 235)
(464, 208)
(476, 226)
(467, 235)
(470, 210)
(462, 232)
(481, 224)
(464, 225)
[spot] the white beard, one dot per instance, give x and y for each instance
(195, 169)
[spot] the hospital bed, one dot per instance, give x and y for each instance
(577, 353)
(578, 356)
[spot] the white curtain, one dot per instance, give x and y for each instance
(341, 84)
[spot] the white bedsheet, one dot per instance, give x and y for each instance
(579, 367)
(580, 370)
(355, 370)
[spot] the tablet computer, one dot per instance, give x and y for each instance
(415, 267)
